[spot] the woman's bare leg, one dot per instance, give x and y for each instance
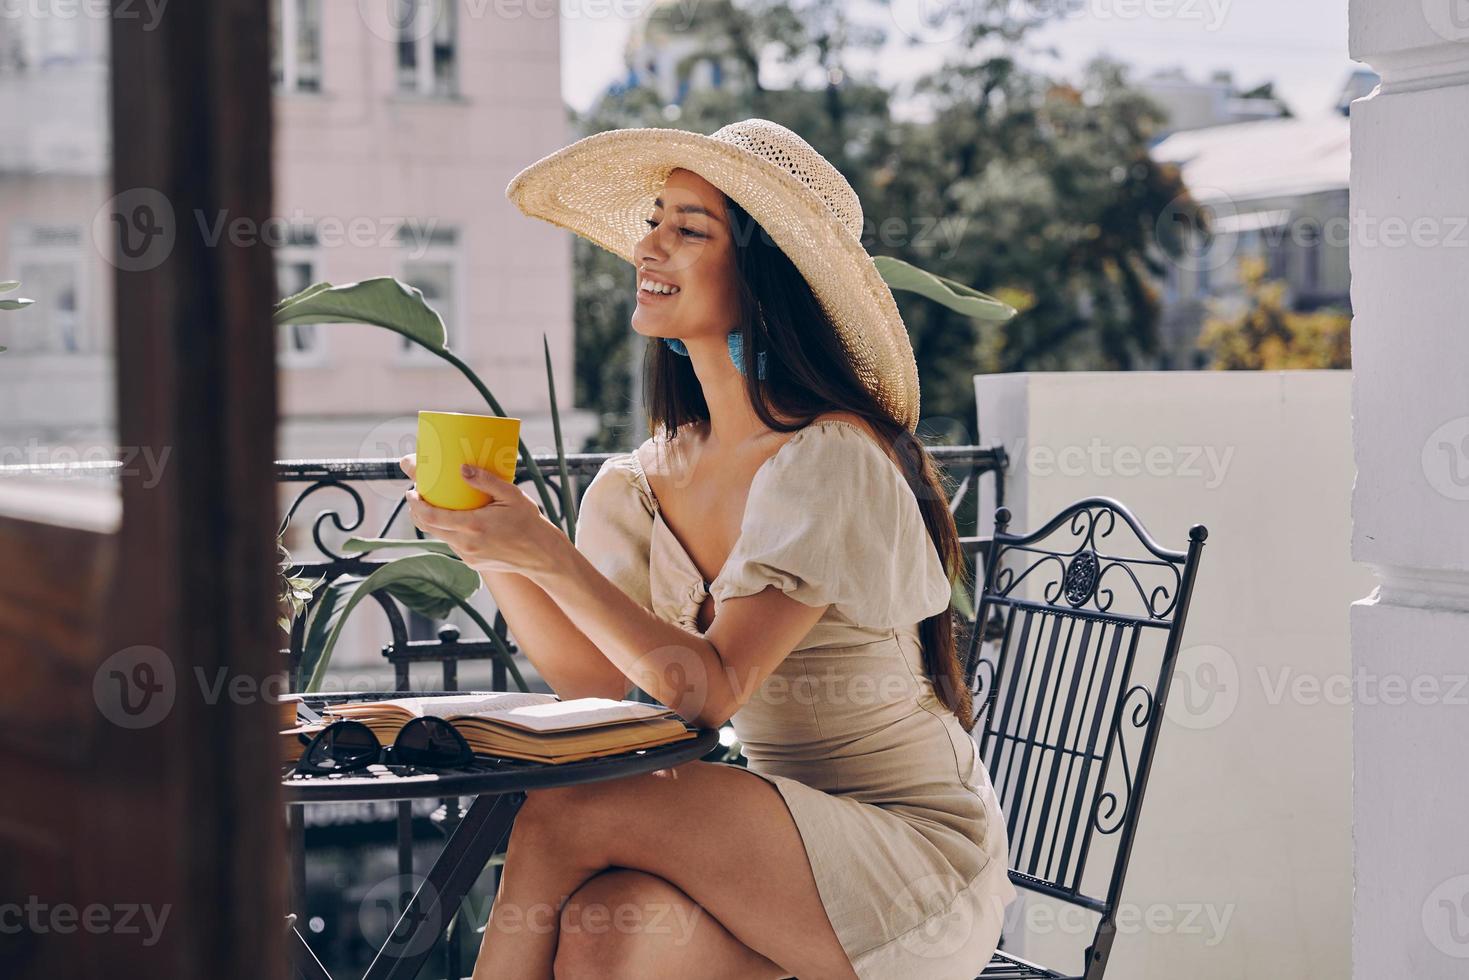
(625, 923)
(720, 836)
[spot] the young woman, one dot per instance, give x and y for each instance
(778, 557)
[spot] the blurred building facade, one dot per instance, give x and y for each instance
(1274, 190)
(395, 140)
(1193, 104)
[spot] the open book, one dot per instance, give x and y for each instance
(529, 726)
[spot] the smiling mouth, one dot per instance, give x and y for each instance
(650, 288)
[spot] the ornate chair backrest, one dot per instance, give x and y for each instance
(1073, 645)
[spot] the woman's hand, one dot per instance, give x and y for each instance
(508, 534)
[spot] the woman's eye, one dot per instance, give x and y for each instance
(687, 232)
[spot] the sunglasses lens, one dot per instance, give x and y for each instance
(431, 742)
(342, 746)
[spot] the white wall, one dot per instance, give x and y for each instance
(1411, 503)
(1243, 858)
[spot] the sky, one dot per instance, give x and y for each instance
(1298, 44)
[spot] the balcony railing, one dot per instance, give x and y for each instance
(337, 486)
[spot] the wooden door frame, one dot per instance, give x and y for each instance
(182, 814)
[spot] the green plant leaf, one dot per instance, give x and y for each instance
(324, 616)
(16, 304)
(9, 285)
(383, 302)
(568, 499)
(363, 545)
(946, 292)
(431, 584)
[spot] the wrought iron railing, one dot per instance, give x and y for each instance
(337, 485)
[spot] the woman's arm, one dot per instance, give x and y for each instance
(704, 677)
(561, 653)
(569, 662)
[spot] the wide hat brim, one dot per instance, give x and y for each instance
(602, 188)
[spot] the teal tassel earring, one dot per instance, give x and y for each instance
(736, 353)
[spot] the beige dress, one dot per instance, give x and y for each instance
(896, 812)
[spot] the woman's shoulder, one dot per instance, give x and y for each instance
(619, 481)
(840, 437)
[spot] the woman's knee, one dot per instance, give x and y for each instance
(620, 923)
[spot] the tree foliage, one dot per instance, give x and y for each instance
(1270, 336)
(1036, 190)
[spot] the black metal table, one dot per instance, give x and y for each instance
(499, 787)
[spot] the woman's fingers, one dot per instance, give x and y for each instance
(409, 465)
(489, 482)
(426, 515)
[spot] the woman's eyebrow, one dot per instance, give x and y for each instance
(688, 209)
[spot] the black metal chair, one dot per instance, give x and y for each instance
(1070, 655)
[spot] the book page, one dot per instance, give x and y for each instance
(577, 713)
(447, 706)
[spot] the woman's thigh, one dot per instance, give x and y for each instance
(720, 835)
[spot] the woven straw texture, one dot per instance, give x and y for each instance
(602, 188)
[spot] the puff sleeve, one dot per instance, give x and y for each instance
(614, 527)
(831, 519)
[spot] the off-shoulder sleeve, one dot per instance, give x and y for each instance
(830, 519)
(614, 526)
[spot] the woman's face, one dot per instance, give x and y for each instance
(688, 254)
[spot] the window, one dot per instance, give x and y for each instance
(426, 47)
(299, 344)
(295, 45)
(48, 263)
(431, 265)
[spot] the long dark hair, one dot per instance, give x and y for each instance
(808, 373)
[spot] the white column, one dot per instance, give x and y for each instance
(1410, 353)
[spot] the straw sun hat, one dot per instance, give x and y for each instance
(602, 188)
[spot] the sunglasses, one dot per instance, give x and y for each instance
(347, 746)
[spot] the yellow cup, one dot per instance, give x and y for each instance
(448, 440)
